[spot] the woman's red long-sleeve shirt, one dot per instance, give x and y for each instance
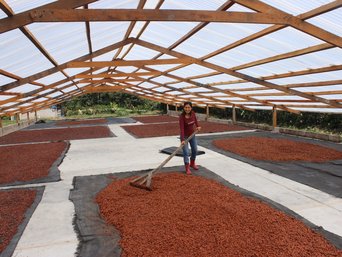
(187, 125)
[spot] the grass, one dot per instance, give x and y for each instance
(118, 113)
(8, 122)
(316, 130)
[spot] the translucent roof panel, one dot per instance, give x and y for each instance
(309, 61)
(105, 57)
(2, 14)
(24, 88)
(295, 7)
(329, 21)
(317, 77)
(106, 33)
(19, 56)
(320, 89)
(166, 33)
(74, 71)
(52, 78)
(64, 41)
(216, 78)
(139, 52)
(266, 91)
(110, 4)
(22, 5)
(5, 97)
(69, 89)
(147, 85)
(199, 90)
(191, 70)
(5, 80)
(163, 79)
(238, 86)
(162, 67)
(279, 42)
(331, 110)
(161, 89)
(46, 91)
(55, 94)
(239, 8)
(192, 4)
(214, 36)
(337, 96)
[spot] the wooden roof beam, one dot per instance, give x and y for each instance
(295, 22)
(76, 15)
(24, 18)
(60, 67)
(115, 75)
(128, 63)
(193, 93)
(236, 74)
(275, 76)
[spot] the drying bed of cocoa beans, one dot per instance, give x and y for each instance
(156, 119)
(172, 129)
(277, 149)
(28, 162)
(80, 122)
(194, 216)
(14, 204)
(43, 135)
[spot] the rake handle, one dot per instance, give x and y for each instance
(149, 174)
(174, 153)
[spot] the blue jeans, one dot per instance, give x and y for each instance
(193, 144)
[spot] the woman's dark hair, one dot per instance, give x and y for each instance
(187, 103)
(184, 104)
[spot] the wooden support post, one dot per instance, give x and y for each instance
(17, 118)
(234, 115)
(1, 122)
(176, 108)
(207, 113)
(274, 112)
(28, 117)
(167, 108)
(35, 115)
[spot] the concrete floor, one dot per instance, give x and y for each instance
(50, 231)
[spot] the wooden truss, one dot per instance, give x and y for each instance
(144, 80)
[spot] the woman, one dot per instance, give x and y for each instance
(188, 124)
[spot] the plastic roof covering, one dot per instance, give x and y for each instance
(288, 68)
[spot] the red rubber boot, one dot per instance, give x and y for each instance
(193, 165)
(187, 169)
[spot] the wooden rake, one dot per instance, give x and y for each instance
(145, 180)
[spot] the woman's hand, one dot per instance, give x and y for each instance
(199, 128)
(183, 142)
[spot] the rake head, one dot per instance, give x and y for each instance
(143, 182)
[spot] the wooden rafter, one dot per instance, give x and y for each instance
(236, 74)
(63, 10)
(128, 63)
(49, 15)
(63, 66)
(295, 22)
(115, 75)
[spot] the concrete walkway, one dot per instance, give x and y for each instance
(50, 231)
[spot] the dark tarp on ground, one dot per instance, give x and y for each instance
(98, 239)
(14, 241)
(170, 150)
(53, 176)
(326, 177)
(54, 124)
